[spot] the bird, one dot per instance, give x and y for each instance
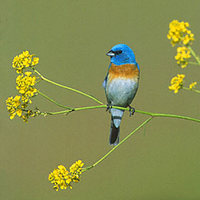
(120, 85)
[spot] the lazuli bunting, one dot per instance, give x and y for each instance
(120, 84)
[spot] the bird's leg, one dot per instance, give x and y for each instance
(108, 107)
(131, 110)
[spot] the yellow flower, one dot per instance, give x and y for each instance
(183, 54)
(24, 60)
(13, 106)
(35, 61)
(25, 83)
(192, 85)
(177, 83)
(26, 54)
(28, 113)
(25, 86)
(17, 107)
(179, 33)
(76, 167)
(62, 178)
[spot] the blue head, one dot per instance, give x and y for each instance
(121, 54)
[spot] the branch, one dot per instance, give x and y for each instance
(122, 108)
(194, 54)
(66, 87)
(194, 90)
(51, 100)
(193, 63)
(126, 138)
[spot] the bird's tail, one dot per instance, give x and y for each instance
(116, 117)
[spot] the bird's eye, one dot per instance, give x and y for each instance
(118, 52)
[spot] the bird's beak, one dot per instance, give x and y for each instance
(110, 53)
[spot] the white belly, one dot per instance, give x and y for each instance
(120, 92)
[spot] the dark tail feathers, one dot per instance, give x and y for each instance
(114, 134)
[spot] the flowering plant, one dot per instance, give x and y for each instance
(181, 36)
(25, 65)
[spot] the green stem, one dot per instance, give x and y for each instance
(126, 138)
(51, 100)
(194, 90)
(74, 109)
(193, 63)
(141, 125)
(122, 108)
(175, 116)
(66, 87)
(194, 54)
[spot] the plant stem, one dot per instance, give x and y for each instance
(194, 90)
(51, 100)
(193, 63)
(194, 54)
(141, 125)
(126, 138)
(122, 108)
(66, 87)
(74, 109)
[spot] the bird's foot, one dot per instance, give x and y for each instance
(131, 110)
(108, 107)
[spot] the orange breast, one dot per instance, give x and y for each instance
(125, 71)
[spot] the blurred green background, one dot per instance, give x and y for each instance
(71, 39)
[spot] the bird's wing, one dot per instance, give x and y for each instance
(106, 78)
(105, 81)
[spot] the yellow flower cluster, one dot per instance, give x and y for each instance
(183, 54)
(16, 107)
(192, 85)
(25, 86)
(62, 178)
(13, 106)
(179, 33)
(24, 60)
(177, 83)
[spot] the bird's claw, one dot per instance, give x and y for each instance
(108, 107)
(131, 110)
